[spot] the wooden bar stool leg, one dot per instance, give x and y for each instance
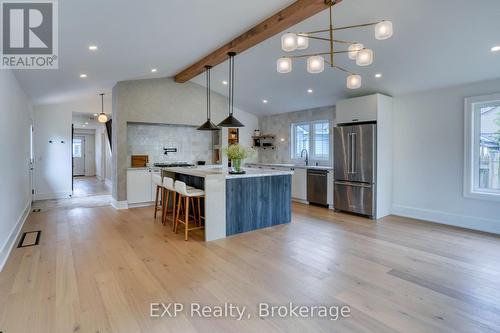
(156, 199)
(173, 207)
(186, 220)
(199, 211)
(176, 224)
(165, 207)
(193, 207)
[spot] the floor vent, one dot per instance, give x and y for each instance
(30, 238)
(37, 210)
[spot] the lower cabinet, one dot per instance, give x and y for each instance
(299, 184)
(139, 186)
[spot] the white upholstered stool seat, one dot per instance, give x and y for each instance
(186, 198)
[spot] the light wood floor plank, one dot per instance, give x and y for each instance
(98, 269)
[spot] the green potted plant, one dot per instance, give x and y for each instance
(237, 153)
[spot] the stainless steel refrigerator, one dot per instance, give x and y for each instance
(355, 168)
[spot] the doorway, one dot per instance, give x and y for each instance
(32, 164)
(78, 156)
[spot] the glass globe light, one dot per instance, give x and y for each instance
(284, 65)
(302, 42)
(102, 118)
(364, 57)
(289, 42)
(315, 64)
(383, 30)
(353, 81)
(354, 49)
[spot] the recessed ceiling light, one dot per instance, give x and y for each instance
(154, 70)
(95, 114)
(83, 76)
(93, 47)
(224, 82)
(378, 75)
(495, 48)
(83, 125)
(86, 123)
(310, 91)
(265, 101)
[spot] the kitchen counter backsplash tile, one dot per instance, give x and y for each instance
(150, 139)
(280, 125)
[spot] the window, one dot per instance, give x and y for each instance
(313, 137)
(77, 147)
(482, 147)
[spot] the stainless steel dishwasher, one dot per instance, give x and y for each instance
(317, 187)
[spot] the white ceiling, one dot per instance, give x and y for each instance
(436, 43)
(83, 120)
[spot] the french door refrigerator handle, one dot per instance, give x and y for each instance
(353, 153)
(353, 184)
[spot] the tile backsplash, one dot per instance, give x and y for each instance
(150, 139)
(280, 125)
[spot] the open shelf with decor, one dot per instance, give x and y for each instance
(265, 141)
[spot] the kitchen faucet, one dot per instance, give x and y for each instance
(307, 156)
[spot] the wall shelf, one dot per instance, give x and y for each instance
(265, 141)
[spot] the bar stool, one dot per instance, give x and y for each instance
(168, 185)
(159, 193)
(188, 195)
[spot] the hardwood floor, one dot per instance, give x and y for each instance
(89, 186)
(98, 270)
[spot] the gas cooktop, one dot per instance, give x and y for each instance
(173, 164)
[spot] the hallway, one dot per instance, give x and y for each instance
(89, 186)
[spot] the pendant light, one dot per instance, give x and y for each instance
(208, 125)
(102, 118)
(231, 121)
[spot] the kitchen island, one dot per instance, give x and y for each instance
(239, 203)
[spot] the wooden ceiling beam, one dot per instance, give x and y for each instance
(279, 22)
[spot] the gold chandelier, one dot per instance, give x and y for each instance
(316, 62)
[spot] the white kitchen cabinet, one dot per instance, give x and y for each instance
(139, 183)
(299, 184)
(358, 109)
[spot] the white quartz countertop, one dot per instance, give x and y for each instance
(283, 165)
(205, 171)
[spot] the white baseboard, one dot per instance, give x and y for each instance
(301, 201)
(53, 195)
(13, 235)
(463, 221)
(119, 204)
(141, 204)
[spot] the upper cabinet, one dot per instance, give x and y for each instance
(361, 109)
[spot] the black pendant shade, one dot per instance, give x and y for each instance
(231, 121)
(208, 125)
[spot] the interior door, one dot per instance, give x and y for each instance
(78, 156)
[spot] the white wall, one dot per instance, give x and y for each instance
(15, 192)
(53, 172)
(429, 158)
(53, 164)
(163, 101)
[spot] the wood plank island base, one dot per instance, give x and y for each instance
(254, 200)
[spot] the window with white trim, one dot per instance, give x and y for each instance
(482, 147)
(313, 137)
